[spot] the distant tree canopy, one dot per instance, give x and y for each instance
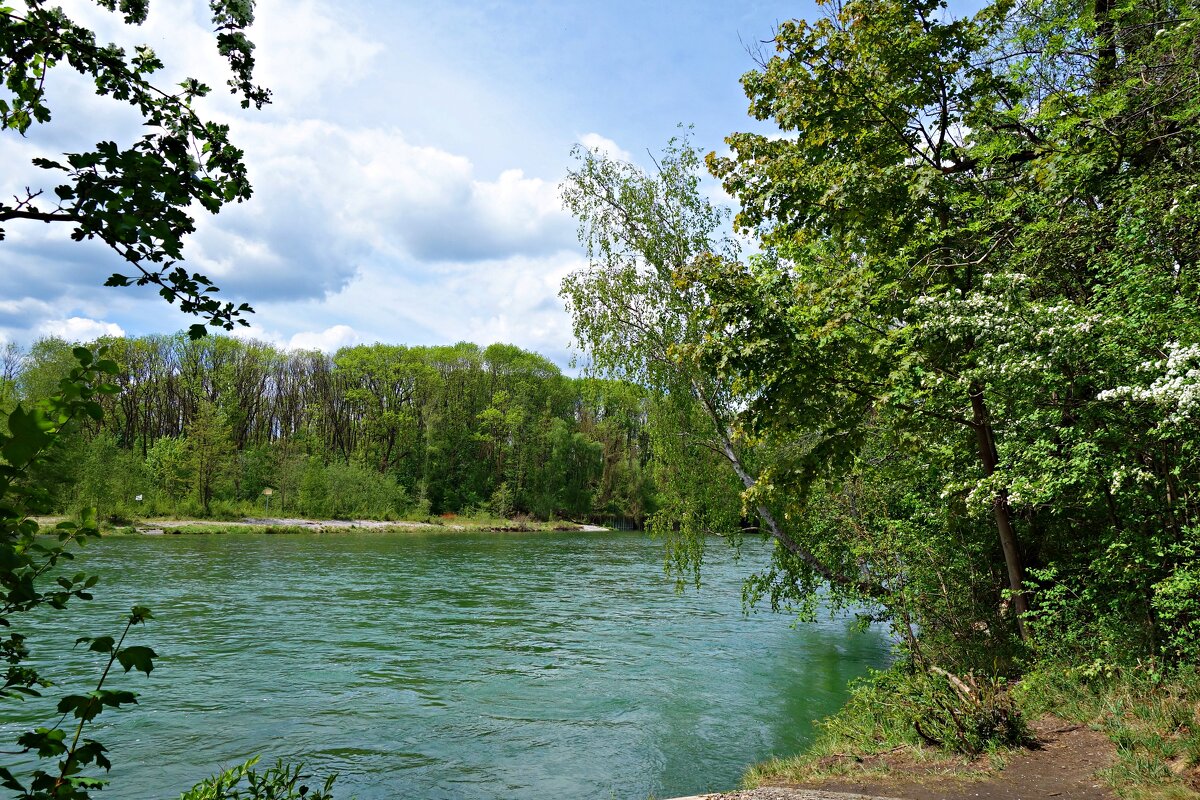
(965, 364)
(139, 198)
(373, 430)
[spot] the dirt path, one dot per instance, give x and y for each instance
(1062, 767)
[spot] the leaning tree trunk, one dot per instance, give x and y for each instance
(986, 442)
(865, 588)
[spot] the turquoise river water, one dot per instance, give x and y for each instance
(473, 666)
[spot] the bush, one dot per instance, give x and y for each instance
(227, 510)
(1176, 604)
(905, 705)
(965, 714)
(280, 782)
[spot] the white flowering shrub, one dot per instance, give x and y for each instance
(1173, 387)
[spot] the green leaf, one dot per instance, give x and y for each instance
(46, 741)
(102, 644)
(137, 657)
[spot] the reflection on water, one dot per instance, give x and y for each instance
(452, 666)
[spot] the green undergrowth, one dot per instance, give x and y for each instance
(893, 719)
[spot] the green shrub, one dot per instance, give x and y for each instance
(280, 782)
(905, 705)
(1176, 603)
(965, 714)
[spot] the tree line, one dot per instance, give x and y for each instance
(203, 427)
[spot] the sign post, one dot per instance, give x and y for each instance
(267, 492)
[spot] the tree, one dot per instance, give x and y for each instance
(138, 198)
(637, 321)
(982, 249)
(167, 461)
(381, 384)
(209, 451)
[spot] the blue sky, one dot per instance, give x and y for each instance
(406, 175)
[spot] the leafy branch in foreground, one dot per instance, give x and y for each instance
(280, 782)
(137, 199)
(30, 557)
(26, 558)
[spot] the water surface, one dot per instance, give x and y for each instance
(471, 666)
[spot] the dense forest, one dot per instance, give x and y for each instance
(202, 427)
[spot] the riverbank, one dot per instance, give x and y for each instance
(1068, 761)
(1133, 734)
(285, 525)
(278, 525)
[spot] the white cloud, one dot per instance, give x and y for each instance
(303, 52)
(355, 233)
(330, 200)
(328, 340)
(513, 300)
(79, 329)
(605, 146)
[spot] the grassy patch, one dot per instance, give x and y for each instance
(1153, 719)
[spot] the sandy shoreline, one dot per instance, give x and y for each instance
(161, 527)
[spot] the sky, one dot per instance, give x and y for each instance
(406, 175)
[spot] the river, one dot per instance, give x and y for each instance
(469, 665)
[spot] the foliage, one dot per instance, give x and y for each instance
(280, 782)
(969, 344)
(203, 427)
(168, 468)
(26, 559)
(963, 714)
(137, 199)
(637, 320)
(207, 449)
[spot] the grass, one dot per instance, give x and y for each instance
(1154, 721)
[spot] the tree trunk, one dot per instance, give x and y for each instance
(1000, 511)
(866, 588)
(1106, 42)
